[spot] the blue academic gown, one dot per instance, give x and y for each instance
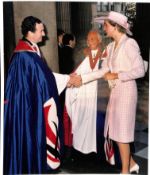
(30, 94)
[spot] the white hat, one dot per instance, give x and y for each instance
(116, 17)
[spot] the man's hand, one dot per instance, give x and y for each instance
(75, 80)
(110, 76)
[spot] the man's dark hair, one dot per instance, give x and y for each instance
(67, 37)
(60, 32)
(28, 24)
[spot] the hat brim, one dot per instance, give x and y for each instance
(101, 20)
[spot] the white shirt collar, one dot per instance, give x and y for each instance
(37, 48)
(94, 52)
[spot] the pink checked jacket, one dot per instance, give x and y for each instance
(121, 110)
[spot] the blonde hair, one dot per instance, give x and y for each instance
(119, 28)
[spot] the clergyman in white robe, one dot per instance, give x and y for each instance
(81, 106)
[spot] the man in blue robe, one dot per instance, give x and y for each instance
(32, 123)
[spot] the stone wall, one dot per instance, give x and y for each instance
(46, 11)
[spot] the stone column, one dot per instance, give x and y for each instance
(46, 11)
(81, 13)
(9, 38)
(94, 14)
(63, 16)
(85, 16)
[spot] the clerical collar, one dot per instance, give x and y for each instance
(33, 45)
(94, 52)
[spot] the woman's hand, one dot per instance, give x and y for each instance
(110, 76)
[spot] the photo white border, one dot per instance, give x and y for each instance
(2, 68)
(2, 86)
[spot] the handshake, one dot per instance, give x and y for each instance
(75, 80)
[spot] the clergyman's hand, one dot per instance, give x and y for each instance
(70, 81)
(75, 80)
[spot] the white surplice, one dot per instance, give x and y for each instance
(81, 105)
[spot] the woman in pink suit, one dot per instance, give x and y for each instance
(123, 65)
